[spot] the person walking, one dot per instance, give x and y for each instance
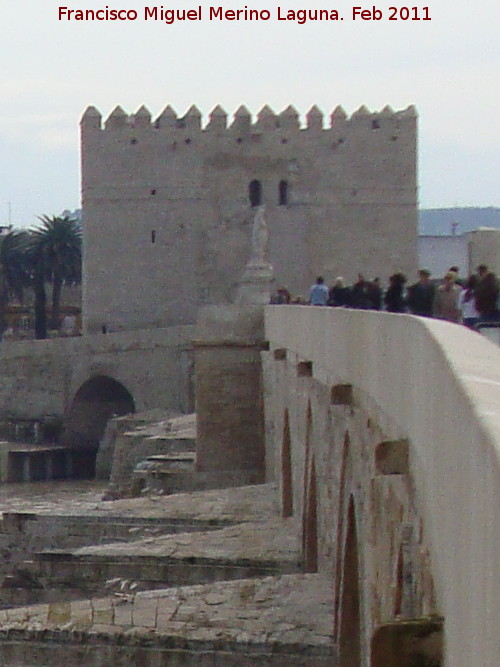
(467, 303)
(318, 294)
(359, 293)
(487, 290)
(446, 302)
(421, 295)
(339, 295)
(395, 301)
(375, 294)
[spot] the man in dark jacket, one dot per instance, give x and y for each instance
(421, 295)
(375, 294)
(394, 299)
(359, 293)
(487, 290)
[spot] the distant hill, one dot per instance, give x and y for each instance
(439, 221)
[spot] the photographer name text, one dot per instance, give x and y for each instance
(169, 16)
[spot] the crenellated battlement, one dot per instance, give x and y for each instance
(169, 201)
(266, 120)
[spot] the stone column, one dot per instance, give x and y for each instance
(229, 401)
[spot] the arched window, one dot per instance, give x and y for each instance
(283, 193)
(255, 193)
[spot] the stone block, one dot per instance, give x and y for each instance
(59, 613)
(341, 394)
(409, 643)
(391, 457)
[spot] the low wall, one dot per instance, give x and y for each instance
(438, 385)
(40, 378)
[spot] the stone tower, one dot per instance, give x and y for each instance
(169, 205)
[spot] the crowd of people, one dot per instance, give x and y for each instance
(469, 302)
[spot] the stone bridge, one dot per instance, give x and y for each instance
(383, 432)
(83, 381)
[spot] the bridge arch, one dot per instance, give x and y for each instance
(350, 629)
(310, 501)
(98, 399)
(340, 528)
(286, 469)
(311, 522)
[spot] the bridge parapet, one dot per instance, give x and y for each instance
(427, 394)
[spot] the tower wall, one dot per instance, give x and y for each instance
(167, 212)
(483, 246)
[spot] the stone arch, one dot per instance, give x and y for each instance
(97, 400)
(350, 629)
(340, 529)
(311, 523)
(307, 454)
(286, 470)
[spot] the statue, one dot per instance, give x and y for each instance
(260, 237)
(255, 284)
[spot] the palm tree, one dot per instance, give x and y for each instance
(56, 254)
(15, 273)
(15, 265)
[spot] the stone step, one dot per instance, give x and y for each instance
(128, 448)
(153, 477)
(272, 622)
(241, 551)
(75, 531)
(46, 649)
(62, 570)
(23, 534)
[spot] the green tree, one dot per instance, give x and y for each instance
(15, 263)
(15, 271)
(56, 257)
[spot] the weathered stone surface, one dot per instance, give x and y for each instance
(290, 610)
(229, 390)
(153, 366)
(391, 457)
(132, 439)
(398, 541)
(274, 540)
(194, 185)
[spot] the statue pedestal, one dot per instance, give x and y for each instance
(255, 285)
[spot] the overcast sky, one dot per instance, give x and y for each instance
(52, 70)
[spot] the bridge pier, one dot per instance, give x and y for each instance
(229, 403)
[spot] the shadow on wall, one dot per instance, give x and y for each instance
(350, 631)
(409, 643)
(97, 400)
